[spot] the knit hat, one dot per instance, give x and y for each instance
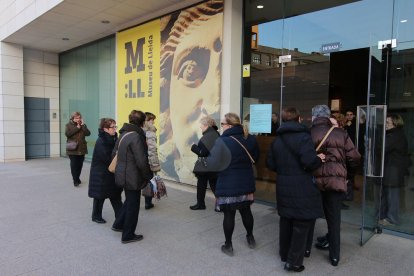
(321, 111)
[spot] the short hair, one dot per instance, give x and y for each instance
(137, 117)
(106, 123)
(149, 116)
(207, 121)
(396, 120)
(75, 114)
(321, 111)
(290, 114)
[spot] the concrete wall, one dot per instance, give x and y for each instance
(41, 80)
(12, 143)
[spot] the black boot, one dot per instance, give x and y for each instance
(198, 207)
(227, 249)
(294, 268)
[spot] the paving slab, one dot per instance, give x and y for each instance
(46, 229)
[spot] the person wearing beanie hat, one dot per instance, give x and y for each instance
(321, 111)
(331, 177)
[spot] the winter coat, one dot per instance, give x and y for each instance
(132, 170)
(151, 134)
(235, 169)
(396, 160)
(293, 157)
(339, 151)
(101, 181)
(73, 133)
(202, 149)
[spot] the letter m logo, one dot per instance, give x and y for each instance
(132, 57)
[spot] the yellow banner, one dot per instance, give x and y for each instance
(138, 70)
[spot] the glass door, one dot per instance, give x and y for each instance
(371, 141)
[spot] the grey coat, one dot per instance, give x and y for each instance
(132, 170)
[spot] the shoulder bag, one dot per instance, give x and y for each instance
(112, 166)
(71, 145)
(324, 139)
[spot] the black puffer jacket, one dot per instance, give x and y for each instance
(293, 157)
(132, 170)
(102, 181)
(203, 148)
(340, 152)
(396, 160)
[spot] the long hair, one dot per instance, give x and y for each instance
(234, 120)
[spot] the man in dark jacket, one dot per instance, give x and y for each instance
(132, 173)
(293, 157)
(331, 177)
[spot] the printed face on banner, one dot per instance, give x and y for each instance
(194, 85)
(172, 67)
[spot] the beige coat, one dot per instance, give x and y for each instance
(151, 134)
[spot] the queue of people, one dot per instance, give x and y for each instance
(312, 167)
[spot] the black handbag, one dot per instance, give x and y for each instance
(200, 166)
(71, 145)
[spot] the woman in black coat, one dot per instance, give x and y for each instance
(293, 157)
(101, 181)
(396, 163)
(202, 149)
(232, 156)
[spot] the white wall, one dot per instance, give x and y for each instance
(41, 80)
(15, 14)
(232, 57)
(12, 142)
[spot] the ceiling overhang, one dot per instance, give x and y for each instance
(73, 23)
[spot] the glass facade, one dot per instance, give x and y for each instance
(354, 56)
(87, 85)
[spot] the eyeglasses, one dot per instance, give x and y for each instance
(114, 127)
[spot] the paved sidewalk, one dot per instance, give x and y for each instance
(46, 229)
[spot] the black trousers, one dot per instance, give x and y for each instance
(349, 196)
(127, 219)
(98, 203)
(202, 182)
(148, 201)
(293, 238)
(76, 164)
(332, 201)
(309, 241)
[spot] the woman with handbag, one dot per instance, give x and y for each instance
(293, 157)
(76, 147)
(101, 180)
(331, 177)
(233, 156)
(202, 149)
